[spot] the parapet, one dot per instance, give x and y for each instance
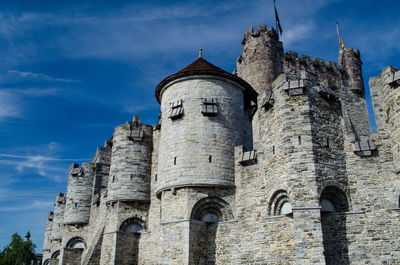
(292, 64)
(261, 29)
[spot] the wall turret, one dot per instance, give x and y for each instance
(350, 67)
(204, 116)
(57, 227)
(130, 162)
(260, 62)
(385, 91)
(79, 194)
(47, 233)
(352, 94)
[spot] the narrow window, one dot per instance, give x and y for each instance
(131, 176)
(209, 107)
(176, 110)
(113, 179)
(175, 160)
(299, 139)
(155, 177)
(76, 204)
(273, 149)
(209, 159)
(328, 144)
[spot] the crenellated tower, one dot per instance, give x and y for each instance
(79, 194)
(259, 64)
(128, 192)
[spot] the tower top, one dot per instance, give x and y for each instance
(203, 67)
(200, 53)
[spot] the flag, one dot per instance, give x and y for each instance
(338, 33)
(278, 23)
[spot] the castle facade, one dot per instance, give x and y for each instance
(273, 164)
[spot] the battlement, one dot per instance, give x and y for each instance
(390, 76)
(261, 30)
(305, 62)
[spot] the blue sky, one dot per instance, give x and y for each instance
(71, 71)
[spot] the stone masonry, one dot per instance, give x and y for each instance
(273, 164)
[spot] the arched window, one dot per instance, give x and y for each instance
(55, 255)
(333, 199)
(46, 262)
(211, 210)
(76, 242)
(327, 206)
(132, 225)
(279, 204)
(206, 216)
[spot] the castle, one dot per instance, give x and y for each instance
(273, 164)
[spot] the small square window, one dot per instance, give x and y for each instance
(209, 107)
(176, 110)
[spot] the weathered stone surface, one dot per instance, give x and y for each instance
(304, 182)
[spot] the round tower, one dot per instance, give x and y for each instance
(260, 64)
(204, 116)
(79, 194)
(57, 227)
(130, 162)
(47, 233)
(260, 61)
(350, 66)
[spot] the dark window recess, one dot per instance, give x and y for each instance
(113, 179)
(176, 110)
(155, 177)
(209, 107)
(175, 160)
(299, 140)
(76, 204)
(273, 149)
(209, 159)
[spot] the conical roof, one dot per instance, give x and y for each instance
(202, 67)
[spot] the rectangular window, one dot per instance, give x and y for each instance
(176, 110)
(209, 107)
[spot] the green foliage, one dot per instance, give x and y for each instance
(18, 252)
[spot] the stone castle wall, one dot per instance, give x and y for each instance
(305, 181)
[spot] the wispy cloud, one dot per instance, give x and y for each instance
(35, 205)
(8, 105)
(41, 76)
(45, 164)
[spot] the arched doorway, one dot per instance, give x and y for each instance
(334, 204)
(128, 239)
(205, 216)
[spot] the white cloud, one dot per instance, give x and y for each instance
(34, 205)
(41, 76)
(8, 105)
(298, 32)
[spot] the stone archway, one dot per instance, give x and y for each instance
(205, 216)
(334, 204)
(128, 240)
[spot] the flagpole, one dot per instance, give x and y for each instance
(338, 32)
(276, 22)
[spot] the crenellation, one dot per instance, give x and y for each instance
(273, 164)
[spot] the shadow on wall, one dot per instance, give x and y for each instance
(333, 218)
